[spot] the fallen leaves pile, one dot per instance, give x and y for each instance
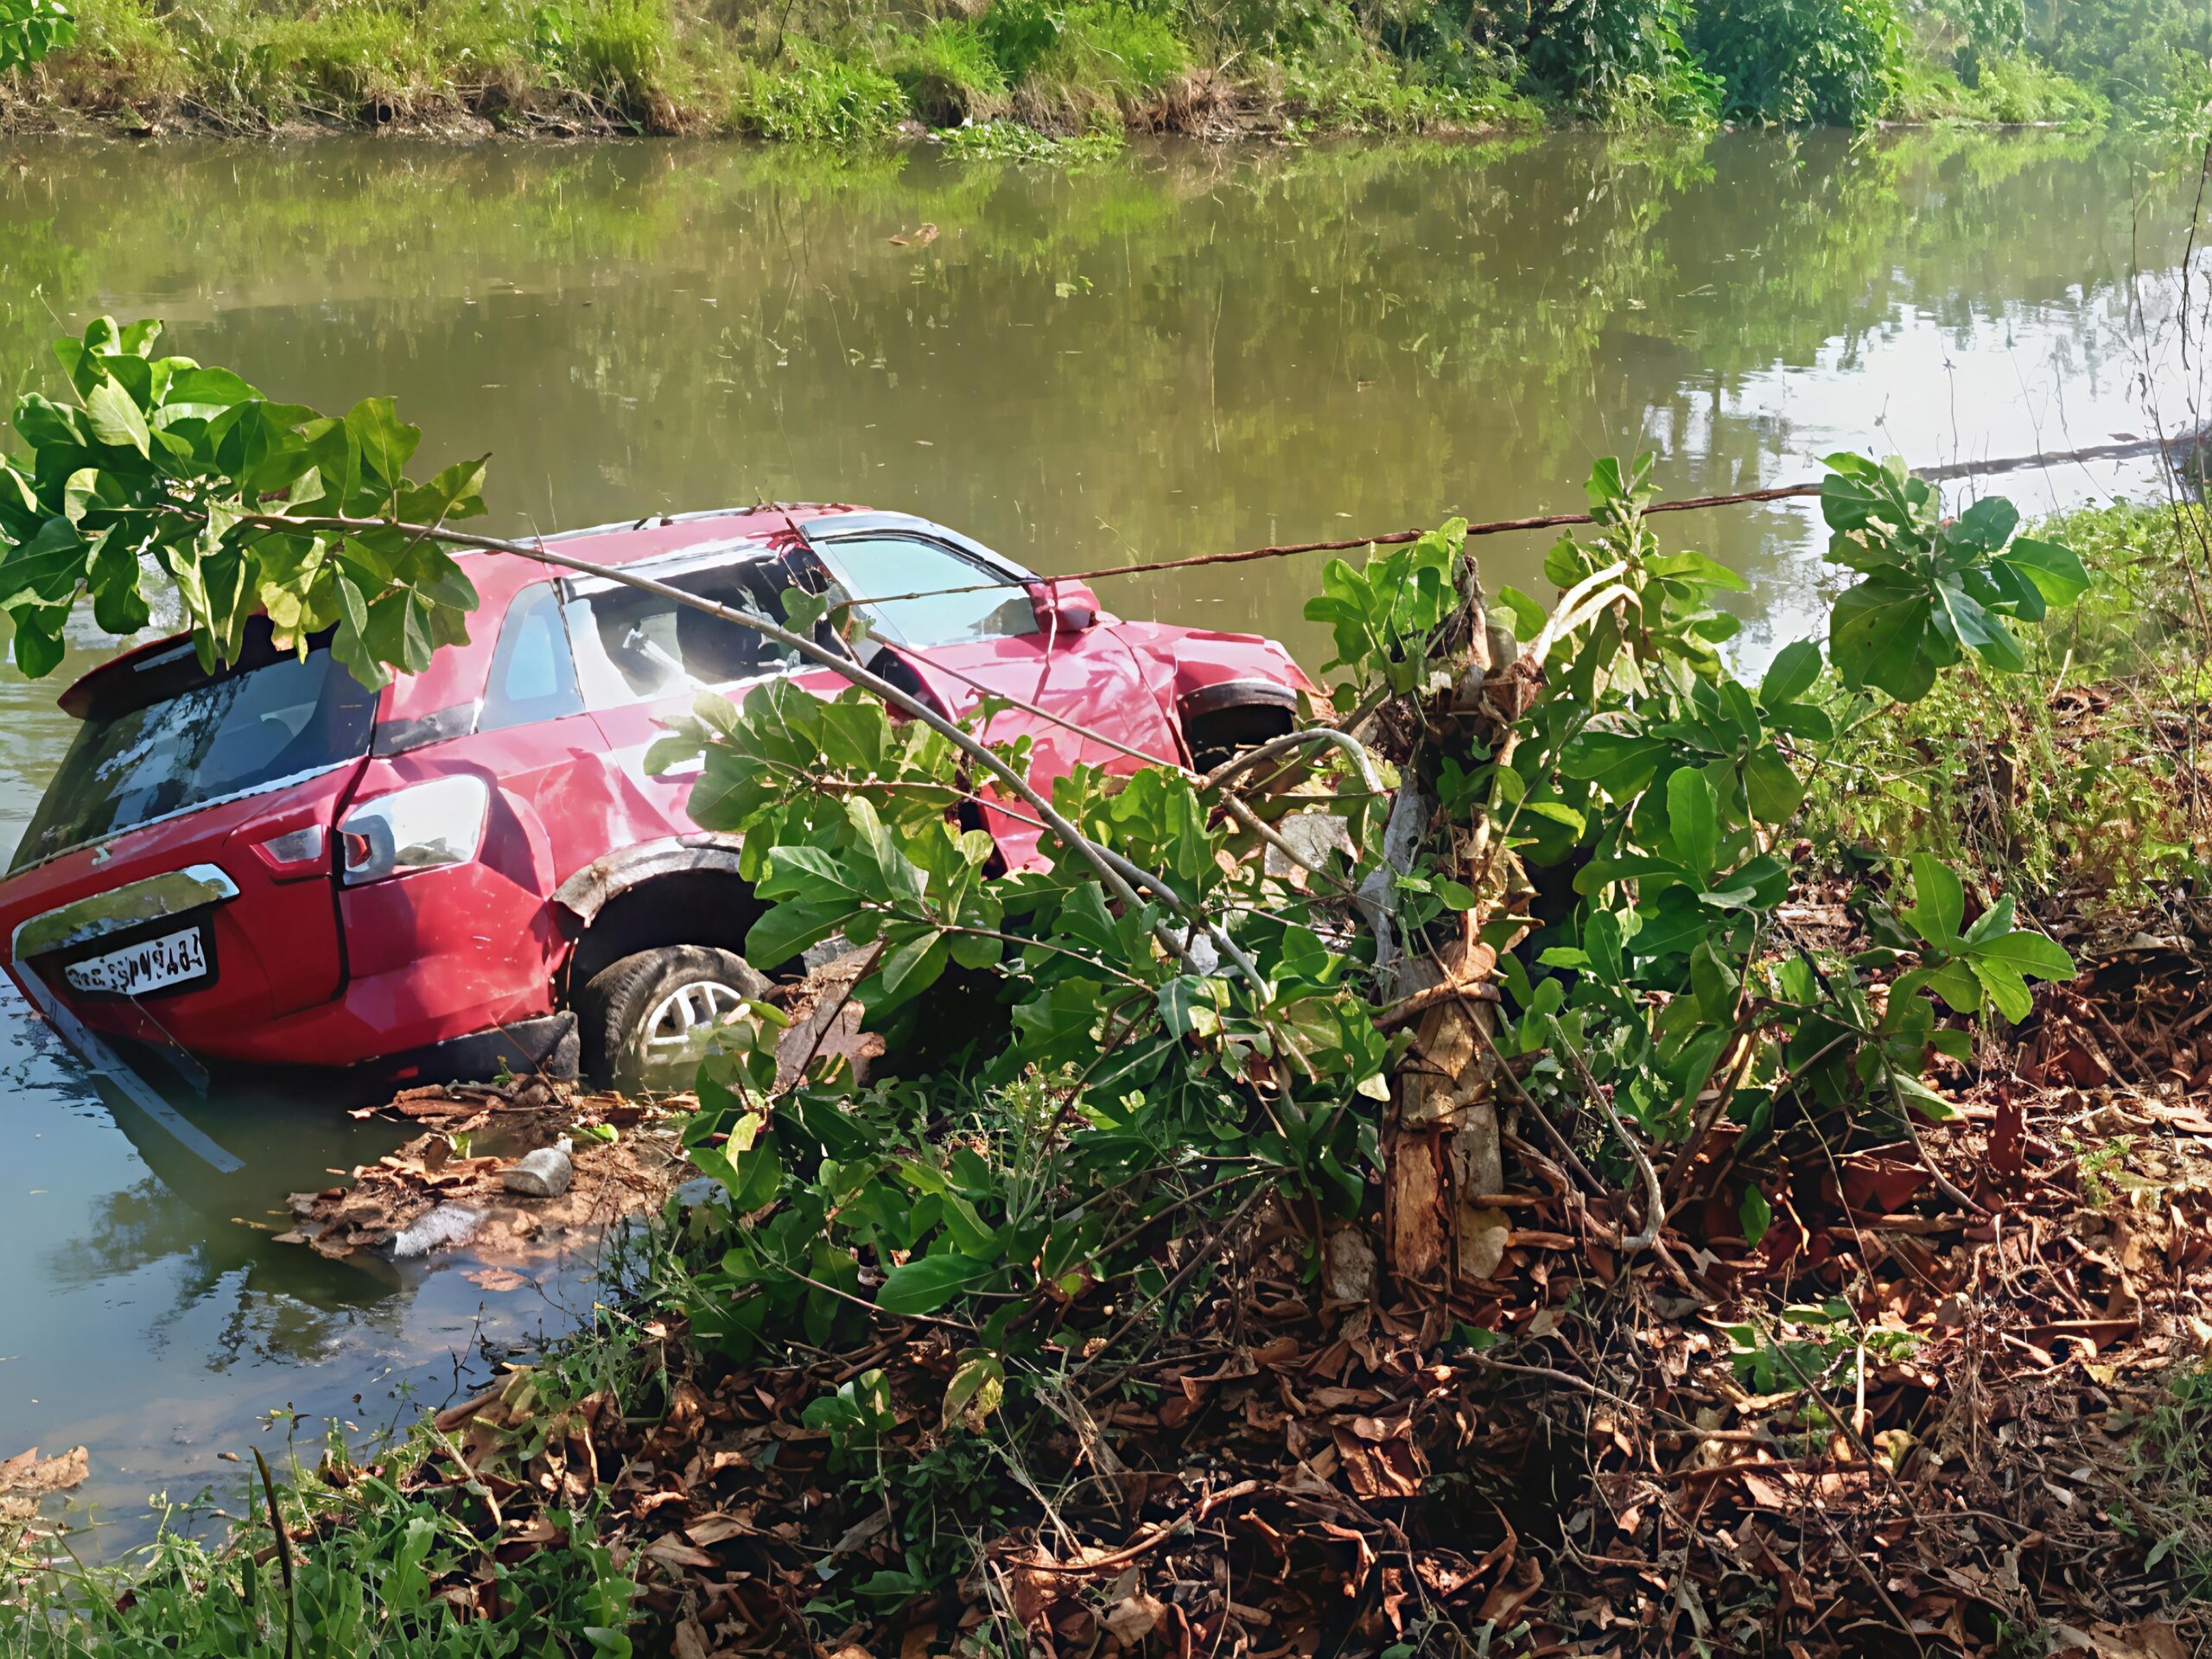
(1896, 1424)
(627, 1159)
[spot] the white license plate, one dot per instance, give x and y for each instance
(147, 966)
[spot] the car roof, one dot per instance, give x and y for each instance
(630, 540)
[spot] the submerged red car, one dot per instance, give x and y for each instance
(471, 868)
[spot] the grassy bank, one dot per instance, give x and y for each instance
(828, 71)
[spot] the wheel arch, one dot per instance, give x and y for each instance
(681, 890)
(1219, 719)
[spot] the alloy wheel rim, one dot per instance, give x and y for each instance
(685, 1011)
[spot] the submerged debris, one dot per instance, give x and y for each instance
(457, 1182)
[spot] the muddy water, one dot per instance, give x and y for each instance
(1189, 351)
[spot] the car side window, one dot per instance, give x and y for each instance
(638, 647)
(533, 672)
(878, 567)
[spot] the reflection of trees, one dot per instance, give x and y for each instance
(1196, 348)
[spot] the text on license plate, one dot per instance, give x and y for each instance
(146, 966)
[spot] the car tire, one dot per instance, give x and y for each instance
(637, 1016)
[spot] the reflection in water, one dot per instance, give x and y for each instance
(1191, 350)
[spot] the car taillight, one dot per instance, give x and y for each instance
(293, 854)
(423, 827)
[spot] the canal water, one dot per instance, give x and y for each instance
(1187, 350)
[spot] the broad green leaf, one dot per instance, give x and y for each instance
(1693, 820)
(2008, 991)
(1939, 901)
(1528, 616)
(1795, 669)
(115, 419)
(1877, 635)
(1755, 1215)
(1923, 1099)
(1986, 526)
(928, 1282)
(2056, 571)
(1772, 789)
(2028, 954)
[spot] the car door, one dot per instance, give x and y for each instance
(642, 658)
(968, 625)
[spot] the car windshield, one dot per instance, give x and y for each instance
(161, 736)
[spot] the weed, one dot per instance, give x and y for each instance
(1011, 140)
(2075, 786)
(2166, 1505)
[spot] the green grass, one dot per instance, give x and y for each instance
(948, 73)
(2078, 775)
(388, 1549)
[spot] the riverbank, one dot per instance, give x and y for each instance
(1030, 77)
(1946, 1390)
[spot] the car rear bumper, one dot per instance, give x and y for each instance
(546, 1045)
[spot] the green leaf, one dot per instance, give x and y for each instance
(1795, 667)
(385, 441)
(1977, 628)
(2028, 954)
(2056, 571)
(1986, 526)
(1877, 635)
(1456, 895)
(2008, 991)
(1716, 983)
(1940, 903)
(1693, 820)
(1755, 1215)
(1772, 789)
(974, 1394)
(928, 1282)
(1528, 616)
(1923, 1099)
(115, 418)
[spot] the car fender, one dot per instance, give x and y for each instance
(587, 892)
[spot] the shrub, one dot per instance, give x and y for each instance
(1017, 33)
(1619, 59)
(1802, 62)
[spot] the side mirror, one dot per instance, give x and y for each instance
(1063, 606)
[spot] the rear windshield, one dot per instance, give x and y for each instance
(162, 737)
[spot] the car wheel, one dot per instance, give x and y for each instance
(641, 1018)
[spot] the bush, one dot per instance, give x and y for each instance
(1622, 61)
(818, 98)
(1802, 62)
(948, 73)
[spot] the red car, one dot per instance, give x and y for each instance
(472, 868)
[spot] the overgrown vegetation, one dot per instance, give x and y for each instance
(841, 73)
(1212, 1076)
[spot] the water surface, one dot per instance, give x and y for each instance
(1190, 350)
